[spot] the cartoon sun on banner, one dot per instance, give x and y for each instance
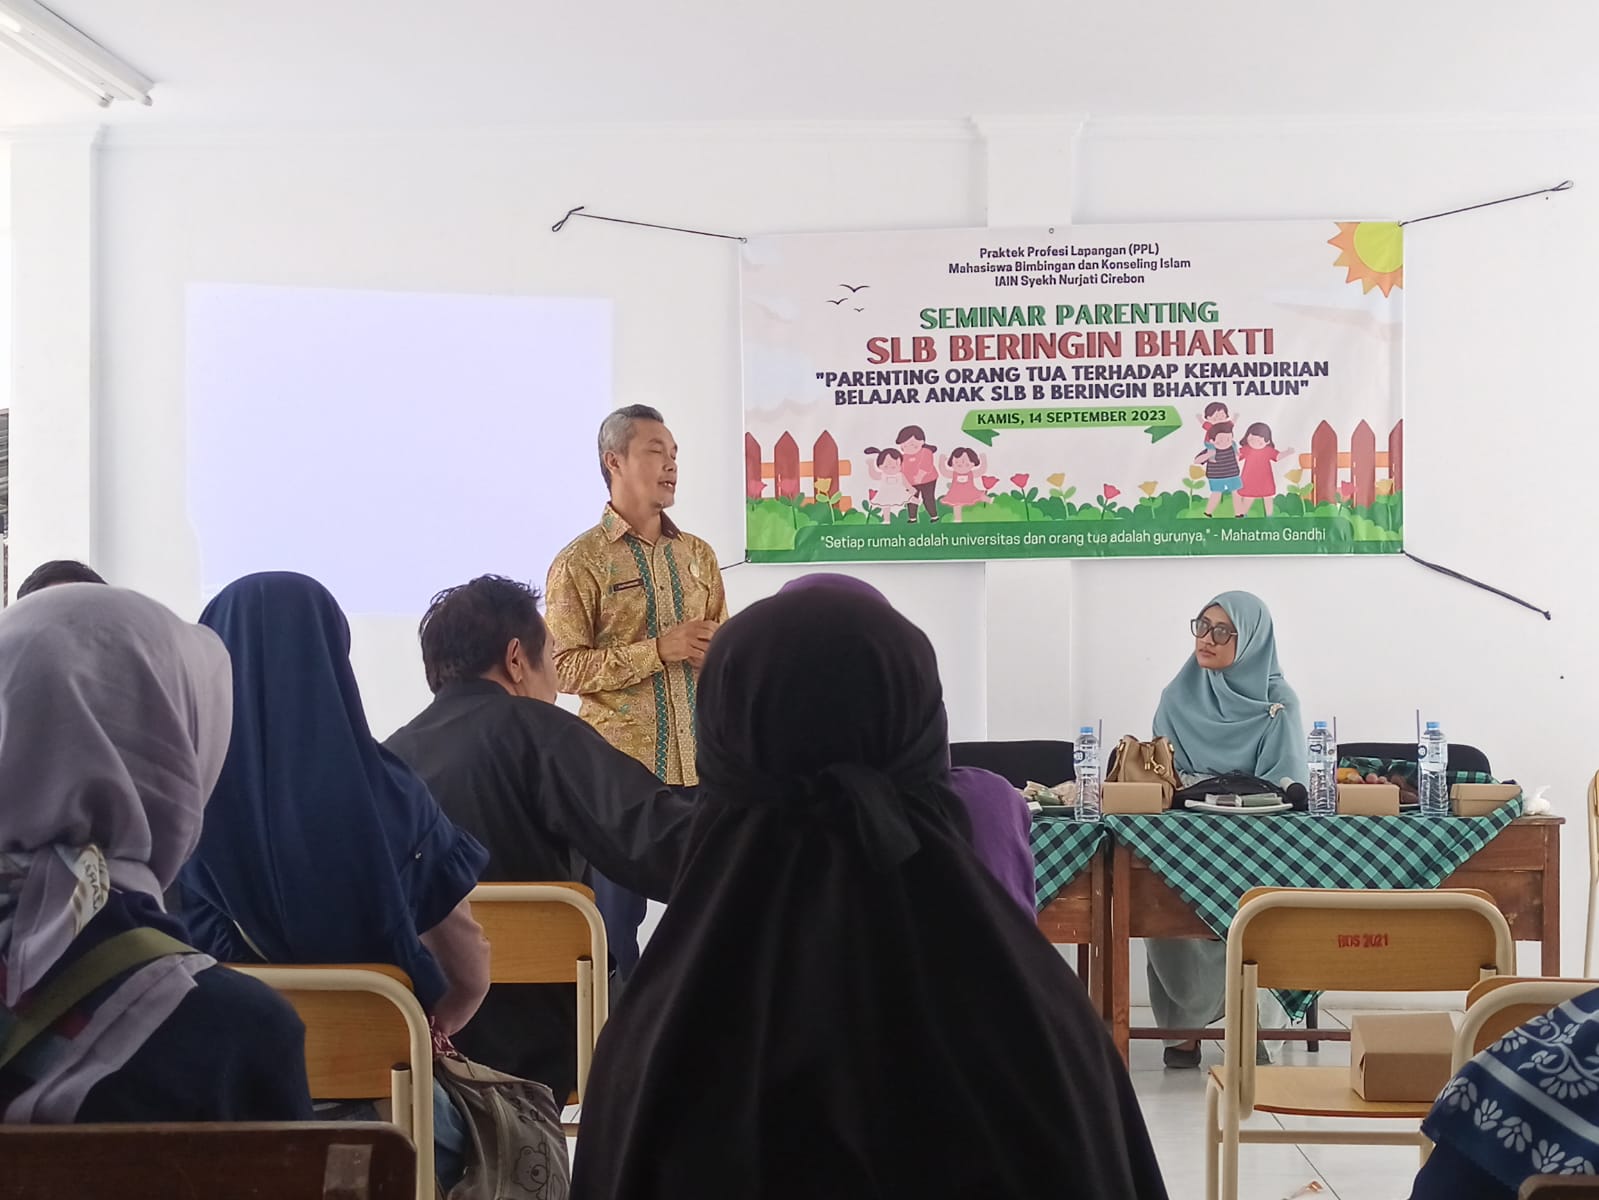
(1374, 253)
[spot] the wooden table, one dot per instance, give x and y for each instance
(1520, 869)
(1080, 915)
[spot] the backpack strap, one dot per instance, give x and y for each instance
(112, 957)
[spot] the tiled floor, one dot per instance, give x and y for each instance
(1174, 1109)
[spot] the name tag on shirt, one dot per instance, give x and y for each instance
(622, 587)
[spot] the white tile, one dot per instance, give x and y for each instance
(1382, 1183)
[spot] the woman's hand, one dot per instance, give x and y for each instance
(457, 942)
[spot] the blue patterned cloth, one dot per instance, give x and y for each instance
(1527, 1105)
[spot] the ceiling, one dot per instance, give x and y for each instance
(516, 62)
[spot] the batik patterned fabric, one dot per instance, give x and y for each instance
(611, 594)
(1529, 1104)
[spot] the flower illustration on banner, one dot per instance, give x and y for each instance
(1346, 490)
(1296, 475)
(1385, 487)
(1019, 480)
(989, 481)
(824, 487)
(871, 494)
(1196, 472)
(1058, 479)
(1111, 491)
(1148, 486)
(1373, 253)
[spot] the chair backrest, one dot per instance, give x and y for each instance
(365, 1037)
(354, 1030)
(1021, 763)
(284, 1161)
(1496, 1006)
(538, 932)
(550, 933)
(1315, 940)
(1461, 756)
(1559, 1187)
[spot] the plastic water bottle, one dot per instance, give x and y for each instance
(1433, 758)
(1086, 759)
(1323, 756)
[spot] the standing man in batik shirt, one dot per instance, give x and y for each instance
(632, 605)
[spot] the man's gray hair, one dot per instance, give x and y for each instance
(616, 432)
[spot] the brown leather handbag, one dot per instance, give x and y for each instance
(1146, 762)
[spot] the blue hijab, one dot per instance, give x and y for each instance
(1243, 719)
(319, 845)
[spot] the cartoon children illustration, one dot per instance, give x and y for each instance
(921, 469)
(962, 469)
(893, 493)
(1215, 413)
(1260, 478)
(1220, 457)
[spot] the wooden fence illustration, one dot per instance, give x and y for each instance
(787, 469)
(1362, 460)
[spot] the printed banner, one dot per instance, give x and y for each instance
(1076, 392)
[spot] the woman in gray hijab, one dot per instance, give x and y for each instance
(114, 720)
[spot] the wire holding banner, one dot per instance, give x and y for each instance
(1477, 583)
(580, 211)
(1565, 185)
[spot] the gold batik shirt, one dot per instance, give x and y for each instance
(610, 595)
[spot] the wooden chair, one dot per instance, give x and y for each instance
(1316, 940)
(550, 933)
(1559, 1187)
(365, 1035)
(281, 1161)
(1496, 1006)
(1593, 870)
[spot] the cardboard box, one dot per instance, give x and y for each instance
(1400, 1057)
(1480, 799)
(1133, 798)
(1369, 799)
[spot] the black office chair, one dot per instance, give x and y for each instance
(1022, 763)
(1461, 757)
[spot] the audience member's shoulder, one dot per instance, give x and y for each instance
(549, 718)
(229, 999)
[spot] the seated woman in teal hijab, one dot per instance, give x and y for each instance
(1229, 711)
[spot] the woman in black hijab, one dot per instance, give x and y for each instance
(840, 1001)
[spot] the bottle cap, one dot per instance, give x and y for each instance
(1086, 729)
(1433, 725)
(1320, 725)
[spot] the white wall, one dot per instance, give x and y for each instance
(52, 194)
(1501, 427)
(472, 213)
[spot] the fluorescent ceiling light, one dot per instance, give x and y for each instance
(35, 32)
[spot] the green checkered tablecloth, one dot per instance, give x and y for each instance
(1212, 860)
(1062, 847)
